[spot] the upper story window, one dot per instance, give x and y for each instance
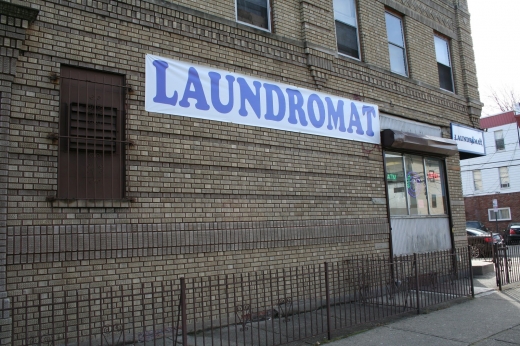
(396, 47)
(504, 177)
(254, 12)
(91, 156)
(346, 27)
(499, 140)
(442, 51)
(477, 180)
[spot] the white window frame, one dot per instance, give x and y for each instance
(354, 4)
(491, 212)
(475, 180)
(503, 174)
(403, 47)
(252, 25)
(501, 133)
(446, 42)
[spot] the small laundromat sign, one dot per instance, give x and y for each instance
(469, 140)
(185, 89)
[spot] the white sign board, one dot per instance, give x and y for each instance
(468, 139)
(495, 205)
(185, 89)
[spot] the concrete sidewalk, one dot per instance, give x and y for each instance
(492, 318)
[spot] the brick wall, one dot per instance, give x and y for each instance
(189, 176)
(477, 209)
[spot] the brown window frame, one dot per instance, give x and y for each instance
(91, 153)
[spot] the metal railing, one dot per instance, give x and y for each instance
(270, 307)
(507, 264)
(481, 247)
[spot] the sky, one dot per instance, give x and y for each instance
(495, 29)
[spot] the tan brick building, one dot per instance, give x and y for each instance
(130, 195)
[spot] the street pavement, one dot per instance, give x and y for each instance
(491, 319)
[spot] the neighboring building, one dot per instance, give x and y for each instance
(496, 175)
(148, 140)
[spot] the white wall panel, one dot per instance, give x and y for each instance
(489, 164)
(420, 234)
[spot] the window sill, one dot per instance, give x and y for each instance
(86, 203)
(400, 74)
(437, 216)
(343, 55)
(448, 91)
(268, 30)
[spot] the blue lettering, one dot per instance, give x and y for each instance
(471, 140)
(317, 123)
(355, 120)
(215, 93)
(269, 114)
(296, 106)
(370, 112)
(197, 93)
(336, 115)
(246, 94)
(160, 86)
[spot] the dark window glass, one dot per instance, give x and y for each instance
(442, 53)
(346, 27)
(91, 142)
(499, 140)
(347, 39)
(254, 12)
(445, 79)
(500, 144)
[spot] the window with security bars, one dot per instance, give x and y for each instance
(91, 161)
(504, 177)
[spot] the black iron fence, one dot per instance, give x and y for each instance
(482, 246)
(507, 264)
(271, 307)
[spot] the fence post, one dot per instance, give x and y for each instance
(471, 272)
(497, 268)
(327, 298)
(506, 263)
(416, 262)
(184, 314)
